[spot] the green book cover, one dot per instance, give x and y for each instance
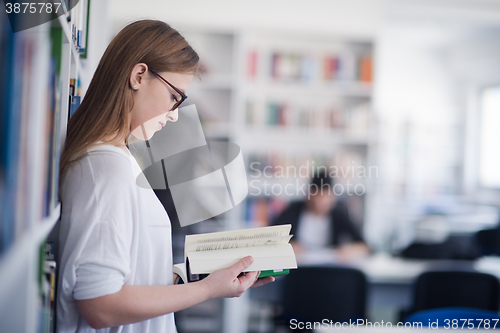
(273, 273)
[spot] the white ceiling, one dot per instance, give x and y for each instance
(349, 18)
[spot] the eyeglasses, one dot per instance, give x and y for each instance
(183, 96)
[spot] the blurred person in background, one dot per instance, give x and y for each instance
(322, 222)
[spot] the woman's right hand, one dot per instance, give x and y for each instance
(226, 282)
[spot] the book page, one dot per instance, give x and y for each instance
(265, 258)
(224, 245)
(180, 269)
(256, 252)
(261, 264)
(238, 235)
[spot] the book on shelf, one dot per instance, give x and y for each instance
(350, 119)
(55, 146)
(252, 64)
(206, 253)
(79, 23)
(260, 211)
(64, 8)
(48, 297)
(8, 151)
(32, 99)
(366, 69)
(49, 250)
(31, 111)
(74, 105)
(286, 66)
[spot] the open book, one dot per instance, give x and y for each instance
(269, 246)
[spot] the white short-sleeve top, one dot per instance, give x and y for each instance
(112, 232)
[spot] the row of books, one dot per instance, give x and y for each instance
(79, 23)
(74, 99)
(261, 211)
(31, 136)
(48, 298)
(48, 281)
(304, 67)
(77, 17)
(353, 119)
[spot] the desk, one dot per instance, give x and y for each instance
(385, 269)
(390, 280)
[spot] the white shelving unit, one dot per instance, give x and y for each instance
(20, 304)
(226, 88)
(216, 98)
(18, 270)
(297, 109)
(298, 87)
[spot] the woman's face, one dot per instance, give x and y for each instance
(153, 100)
(321, 203)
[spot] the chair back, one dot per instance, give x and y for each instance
(317, 293)
(456, 289)
(489, 241)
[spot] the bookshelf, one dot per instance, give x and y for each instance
(307, 104)
(36, 67)
(286, 100)
(215, 97)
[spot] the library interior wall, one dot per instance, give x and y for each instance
(481, 55)
(346, 18)
(413, 94)
(354, 18)
(99, 37)
(431, 68)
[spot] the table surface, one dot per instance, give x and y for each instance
(385, 269)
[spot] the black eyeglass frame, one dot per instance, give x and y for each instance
(183, 96)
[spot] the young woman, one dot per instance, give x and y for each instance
(115, 265)
(320, 222)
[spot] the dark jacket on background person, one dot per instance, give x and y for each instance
(342, 229)
(455, 247)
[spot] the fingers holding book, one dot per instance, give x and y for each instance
(259, 281)
(262, 281)
(230, 282)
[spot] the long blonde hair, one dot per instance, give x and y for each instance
(104, 112)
